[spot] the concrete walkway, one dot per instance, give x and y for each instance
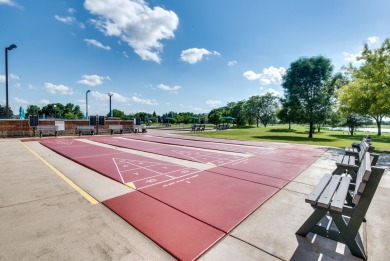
(44, 217)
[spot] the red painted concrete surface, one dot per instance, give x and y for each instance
(185, 210)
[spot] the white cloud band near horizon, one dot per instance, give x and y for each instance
(194, 55)
(214, 103)
(93, 42)
(270, 75)
(93, 80)
(58, 89)
(174, 89)
(134, 22)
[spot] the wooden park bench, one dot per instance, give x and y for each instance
(337, 200)
(194, 127)
(348, 162)
(115, 128)
(356, 148)
(82, 129)
(46, 129)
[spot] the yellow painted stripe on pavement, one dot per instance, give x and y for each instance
(88, 197)
(131, 185)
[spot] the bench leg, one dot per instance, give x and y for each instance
(79, 133)
(112, 132)
(349, 237)
(314, 218)
(40, 134)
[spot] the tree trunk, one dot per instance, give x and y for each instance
(289, 125)
(257, 122)
(318, 128)
(378, 124)
(311, 130)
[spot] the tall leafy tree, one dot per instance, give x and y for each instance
(368, 91)
(3, 112)
(253, 107)
(308, 88)
(267, 109)
(32, 109)
(237, 111)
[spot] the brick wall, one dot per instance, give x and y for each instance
(21, 128)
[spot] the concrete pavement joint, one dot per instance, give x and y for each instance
(88, 197)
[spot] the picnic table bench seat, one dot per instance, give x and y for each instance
(356, 148)
(338, 200)
(47, 128)
(85, 128)
(348, 162)
(115, 128)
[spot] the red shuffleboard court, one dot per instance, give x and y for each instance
(133, 170)
(268, 167)
(252, 177)
(202, 144)
(72, 148)
(191, 154)
(226, 141)
(218, 200)
(184, 237)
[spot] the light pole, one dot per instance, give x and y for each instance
(9, 48)
(55, 110)
(86, 104)
(110, 95)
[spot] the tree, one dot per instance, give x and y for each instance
(253, 107)
(308, 88)
(3, 112)
(354, 121)
(237, 111)
(215, 116)
(31, 110)
(368, 92)
(268, 105)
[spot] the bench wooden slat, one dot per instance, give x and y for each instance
(341, 194)
(316, 192)
(345, 160)
(362, 177)
(339, 160)
(352, 161)
(327, 194)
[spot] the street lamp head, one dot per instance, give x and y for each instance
(110, 94)
(88, 91)
(12, 46)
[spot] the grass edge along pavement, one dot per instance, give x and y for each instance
(299, 134)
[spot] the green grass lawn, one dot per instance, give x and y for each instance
(299, 134)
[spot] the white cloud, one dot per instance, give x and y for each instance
(352, 57)
(93, 80)
(373, 39)
(194, 55)
(72, 10)
(270, 75)
(21, 102)
(44, 102)
(140, 26)
(273, 92)
(97, 44)
(14, 76)
(214, 103)
(143, 101)
(173, 89)
(10, 3)
(30, 86)
(116, 97)
(232, 63)
(65, 19)
(2, 78)
(58, 89)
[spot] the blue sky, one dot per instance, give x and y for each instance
(162, 56)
